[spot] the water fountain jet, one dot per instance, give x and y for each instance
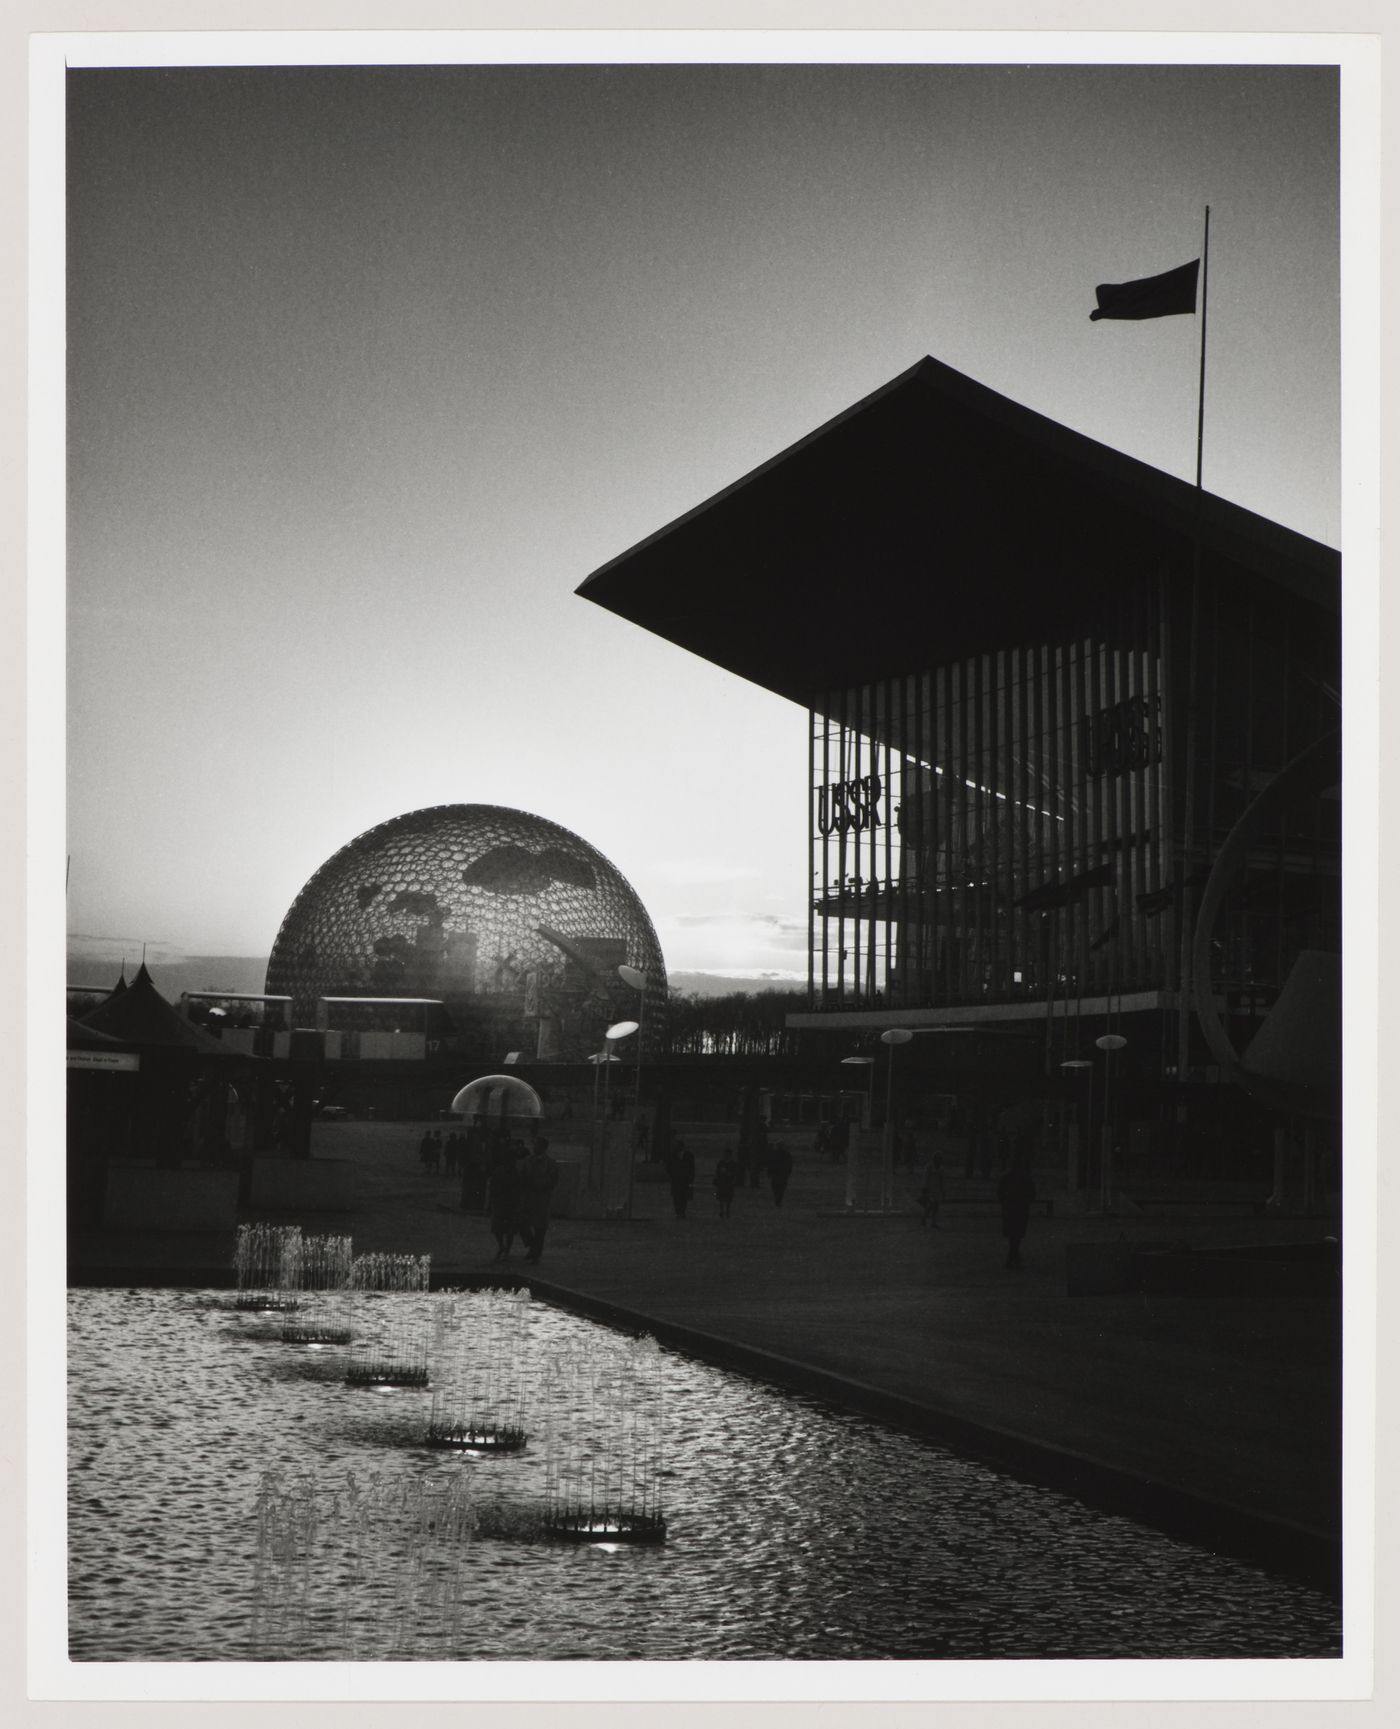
(398, 1355)
(267, 1265)
(478, 1379)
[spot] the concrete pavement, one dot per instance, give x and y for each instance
(1217, 1417)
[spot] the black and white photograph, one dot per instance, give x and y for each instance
(703, 872)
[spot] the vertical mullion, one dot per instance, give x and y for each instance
(1065, 752)
(841, 854)
(1116, 788)
(1130, 652)
(1096, 816)
(826, 852)
(1036, 803)
(871, 854)
(1164, 812)
(879, 752)
(978, 827)
(955, 868)
(1027, 666)
(1050, 791)
(853, 773)
(992, 825)
(886, 799)
(1141, 818)
(1090, 902)
(812, 843)
(936, 848)
(910, 939)
(1149, 928)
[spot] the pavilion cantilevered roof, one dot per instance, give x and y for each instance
(932, 520)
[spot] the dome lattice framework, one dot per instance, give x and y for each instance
(505, 917)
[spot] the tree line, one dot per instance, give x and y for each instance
(737, 1024)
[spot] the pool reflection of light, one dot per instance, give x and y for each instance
(835, 1499)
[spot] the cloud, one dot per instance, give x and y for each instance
(739, 921)
(86, 944)
(738, 944)
(696, 872)
(708, 982)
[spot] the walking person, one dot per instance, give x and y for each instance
(538, 1175)
(726, 1181)
(682, 1178)
(475, 1169)
(839, 1140)
(931, 1194)
(1015, 1192)
(779, 1170)
(503, 1198)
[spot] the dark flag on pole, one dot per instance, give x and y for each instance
(1151, 296)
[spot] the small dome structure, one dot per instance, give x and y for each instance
(507, 919)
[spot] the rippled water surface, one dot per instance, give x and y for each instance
(794, 1531)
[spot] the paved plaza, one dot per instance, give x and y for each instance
(1224, 1405)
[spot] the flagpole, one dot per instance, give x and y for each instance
(1185, 982)
(1201, 397)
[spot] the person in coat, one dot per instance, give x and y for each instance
(779, 1170)
(1015, 1192)
(503, 1199)
(726, 1181)
(682, 1178)
(538, 1175)
(931, 1194)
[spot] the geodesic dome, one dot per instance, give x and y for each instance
(506, 918)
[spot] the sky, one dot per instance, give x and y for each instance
(369, 368)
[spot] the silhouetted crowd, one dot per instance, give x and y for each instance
(512, 1182)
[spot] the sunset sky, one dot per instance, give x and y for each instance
(370, 367)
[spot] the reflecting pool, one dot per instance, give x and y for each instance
(231, 1497)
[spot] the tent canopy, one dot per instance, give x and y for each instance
(140, 1016)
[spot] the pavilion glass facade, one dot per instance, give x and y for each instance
(1013, 825)
(947, 807)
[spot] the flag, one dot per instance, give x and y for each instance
(1151, 296)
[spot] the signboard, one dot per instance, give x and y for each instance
(127, 1061)
(849, 804)
(1125, 736)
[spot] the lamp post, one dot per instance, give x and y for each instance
(594, 1159)
(866, 1063)
(618, 1030)
(1110, 1044)
(637, 979)
(1072, 1162)
(854, 1154)
(892, 1036)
